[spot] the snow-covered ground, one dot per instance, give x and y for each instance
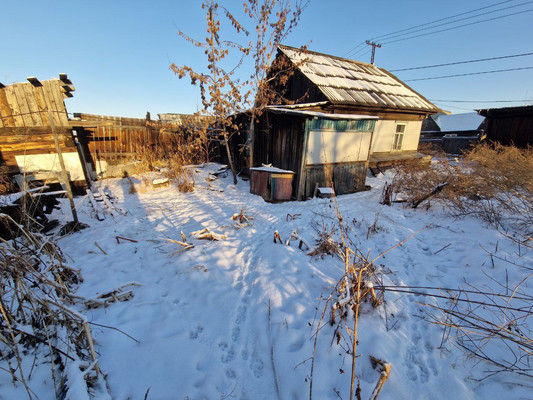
(235, 318)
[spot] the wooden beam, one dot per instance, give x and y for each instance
(5, 110)
(63, 78)
(74, 123)
(34, 81)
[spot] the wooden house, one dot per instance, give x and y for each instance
(510, 125)
(32, 117)
(334, 85)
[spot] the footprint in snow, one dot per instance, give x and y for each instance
(228, 353)
(257, 365)
(231, 373)
(297, 345)
(196, 332)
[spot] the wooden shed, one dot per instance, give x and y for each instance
(324, 150)
(510, 125)
(31, 114)
(336, 85)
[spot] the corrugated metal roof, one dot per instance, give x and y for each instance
(350, 82)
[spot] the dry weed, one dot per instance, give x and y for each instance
(326, 244)
(494, 183)
(36, 313)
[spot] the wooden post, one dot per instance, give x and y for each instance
(251, 146)
(63, 168)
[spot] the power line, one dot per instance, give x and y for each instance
(459, 108)
(468, 74)
(461, 19)
(462, 62)
(354, 48)
(459, 26)
(441, 19)
(421, 25)
(359, 52)
(479, 101)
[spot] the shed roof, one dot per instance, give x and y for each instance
(348, 82)
(291, 110)
(506, 111)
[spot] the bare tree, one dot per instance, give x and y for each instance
(274, 21)
(220, 88)
(223, 94)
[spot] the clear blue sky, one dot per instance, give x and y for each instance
(117, 53)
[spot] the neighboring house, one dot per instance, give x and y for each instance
(510, 125)
(334, 85)
(453, 133)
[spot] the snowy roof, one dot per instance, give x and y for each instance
(344, 81)
(289, 110)
(271, 169)
(458, 122)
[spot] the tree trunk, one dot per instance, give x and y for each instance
(230, 158)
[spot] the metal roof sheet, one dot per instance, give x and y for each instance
(351, 82)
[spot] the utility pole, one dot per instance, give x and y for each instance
(374, 45)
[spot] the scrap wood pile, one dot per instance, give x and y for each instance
(102, 203)
(29, 209)
(38, 316)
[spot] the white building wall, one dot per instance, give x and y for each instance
(50, 162)
(326, 147)
(385, 130)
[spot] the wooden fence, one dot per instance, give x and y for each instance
(117, 138)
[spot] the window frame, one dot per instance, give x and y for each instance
(397, 143)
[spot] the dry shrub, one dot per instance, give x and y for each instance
(494, 183)
(36, 315)
(179, 172)
(174, 159)
(506, 167)
(150, 158)
(326, 242)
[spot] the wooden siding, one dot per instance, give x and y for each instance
(279, 141)
(346, 178)
(512, 128)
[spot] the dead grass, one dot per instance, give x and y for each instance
(494, 183)
(36, 313)
(174, 161)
